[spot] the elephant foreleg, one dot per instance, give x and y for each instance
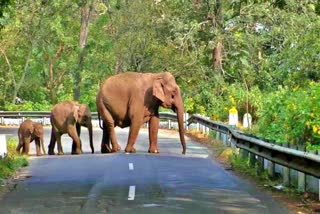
(133, 134)
(26, 145)
(37, 142)
(74, 135)
(153, 134)
(42, 145)
(74, 144)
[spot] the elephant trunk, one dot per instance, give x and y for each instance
(90, 137)
(180, 112)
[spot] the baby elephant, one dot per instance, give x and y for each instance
(29, 131)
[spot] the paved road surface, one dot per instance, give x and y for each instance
(132, 183)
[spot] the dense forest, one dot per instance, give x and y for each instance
(260, 56)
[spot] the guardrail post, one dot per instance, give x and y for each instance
(286, 171)
(169, 124)
(301, 175)
(243, 154)
(186, 118)
(3, 146)
(203, 127)
(260, 165)
(218, 135)
(271, 169)
(252, 160)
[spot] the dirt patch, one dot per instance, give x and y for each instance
(299, 203)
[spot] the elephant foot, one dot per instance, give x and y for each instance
(153, 150)
(51, 153)
(117, 148)
(76, 152)
(39, 154)
(130, 150)
(105, 148)
(60, 153)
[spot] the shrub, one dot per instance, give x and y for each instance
(11, 162)
(292, 115)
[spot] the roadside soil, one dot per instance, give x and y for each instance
(298, 203)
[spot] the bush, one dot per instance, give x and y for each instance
(28, 106)
(12, 161)
(292, 116)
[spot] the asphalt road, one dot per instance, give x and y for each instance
(168, 182)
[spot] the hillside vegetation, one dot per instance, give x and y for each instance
(262, 57)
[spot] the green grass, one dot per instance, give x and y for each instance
(12, 161)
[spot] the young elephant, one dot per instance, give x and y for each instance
(29, 131)
(68, 117)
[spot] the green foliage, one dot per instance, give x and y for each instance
(28, 106)
(292, 115)
(11, 162)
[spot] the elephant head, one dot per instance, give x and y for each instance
(167, 91)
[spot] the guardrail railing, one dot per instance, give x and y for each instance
(305, 162)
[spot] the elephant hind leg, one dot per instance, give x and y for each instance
(18, 149)
(52, 143)
(58, 138)
(105, 143)
(108, 130)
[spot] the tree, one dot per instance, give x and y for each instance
(86, 10)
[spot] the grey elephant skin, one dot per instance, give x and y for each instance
(30, 131)
(131, 99)
(68, 117)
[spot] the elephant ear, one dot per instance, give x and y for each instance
(76, 109)
(158, 90)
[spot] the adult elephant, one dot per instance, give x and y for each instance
(30, 131)
(131, 99)
(68, 117)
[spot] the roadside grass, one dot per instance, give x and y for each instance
(12, 162)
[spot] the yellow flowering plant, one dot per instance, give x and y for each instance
(292, 116)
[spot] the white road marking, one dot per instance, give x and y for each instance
(131, 166)
(132, 190)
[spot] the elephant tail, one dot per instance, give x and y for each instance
(100, 124)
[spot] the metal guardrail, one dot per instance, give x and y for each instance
(41, 114)
(305, 162)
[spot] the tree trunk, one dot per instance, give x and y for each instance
(86, 10)
(217, 57)
(218, 27)
(55, 77)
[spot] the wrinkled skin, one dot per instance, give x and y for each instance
(131, 99)
(30, 131)
(68, 117)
